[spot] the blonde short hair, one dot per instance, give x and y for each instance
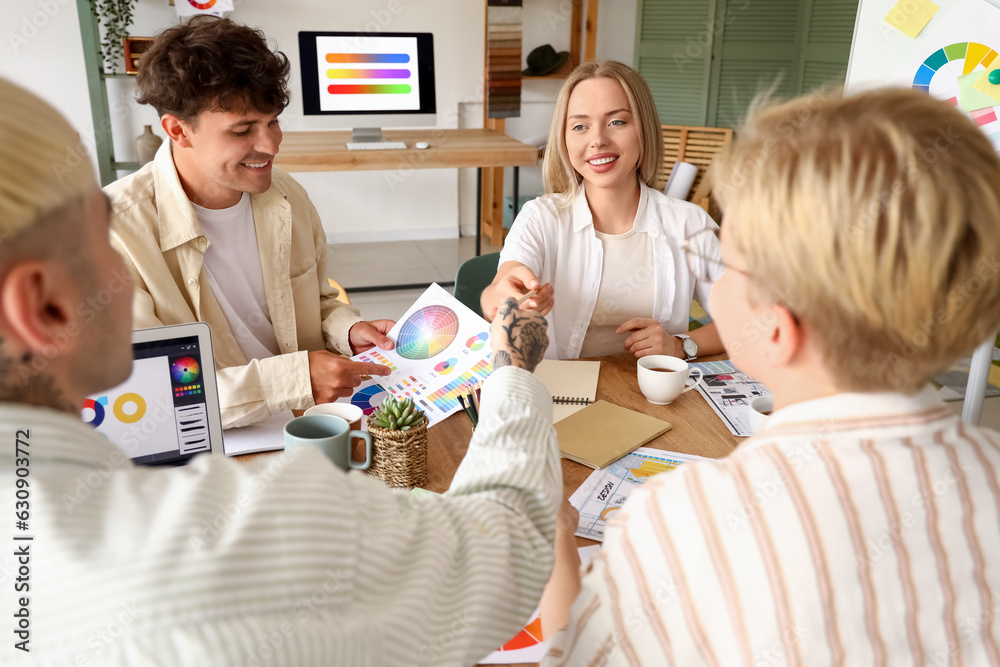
(42, 164)
(876, 219)
(557, 171)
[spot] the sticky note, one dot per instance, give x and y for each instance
(969, 98)
(983, 85)
(910, 16)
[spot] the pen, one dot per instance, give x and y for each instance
(527, 296)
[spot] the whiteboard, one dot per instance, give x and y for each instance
(881, 55)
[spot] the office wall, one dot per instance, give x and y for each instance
(42, 50)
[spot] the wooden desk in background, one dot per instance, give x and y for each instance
(482, 149)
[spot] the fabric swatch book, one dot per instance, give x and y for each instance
(602, 433)
(573, 385)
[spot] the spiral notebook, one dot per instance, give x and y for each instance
(573, 385)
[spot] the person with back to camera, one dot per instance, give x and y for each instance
(861, 524)
(282, 561)
(603, 247)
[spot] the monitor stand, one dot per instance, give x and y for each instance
(366, 135)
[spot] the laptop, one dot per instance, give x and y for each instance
(167, 411)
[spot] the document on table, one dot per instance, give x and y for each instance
(526, 645)
(606, 490)
(260, 437)
(729, 391)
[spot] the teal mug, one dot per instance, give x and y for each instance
(332, 436)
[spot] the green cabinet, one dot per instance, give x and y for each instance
(706, 60)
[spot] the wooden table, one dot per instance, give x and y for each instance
(696, 429)
(483, 149)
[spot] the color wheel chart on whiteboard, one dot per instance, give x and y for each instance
(951, 58)
(442, 349)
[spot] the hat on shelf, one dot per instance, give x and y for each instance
(544, 60)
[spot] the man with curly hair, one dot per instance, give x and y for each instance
(212, 232)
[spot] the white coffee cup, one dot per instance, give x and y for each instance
(352, 414)
(760, 408)
(662, 378)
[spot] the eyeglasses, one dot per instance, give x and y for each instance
(717, 262)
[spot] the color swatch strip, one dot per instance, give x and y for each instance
(368, 58)
(371, 89)
(368, 74)
(445, 399)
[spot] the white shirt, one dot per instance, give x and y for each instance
(284, 560)
(232, 264)
(626, 268)
(560, 246)
(859, 529)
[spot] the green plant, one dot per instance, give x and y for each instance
(116, 18)
(397, 415)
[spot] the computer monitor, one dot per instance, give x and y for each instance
(381, 80)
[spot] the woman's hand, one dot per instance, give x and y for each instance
(648, 337)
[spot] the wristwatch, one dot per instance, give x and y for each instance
(689, 346)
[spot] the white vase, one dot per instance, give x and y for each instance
(146, 145)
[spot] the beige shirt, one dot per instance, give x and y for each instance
(154, 227)
(626, 291)
(859, 529)
(285, 560)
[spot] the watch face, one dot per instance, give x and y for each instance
(690, 347)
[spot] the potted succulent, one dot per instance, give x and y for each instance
(399, 443)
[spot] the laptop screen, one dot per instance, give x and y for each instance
(160, 414)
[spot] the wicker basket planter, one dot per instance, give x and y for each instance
(399, 458)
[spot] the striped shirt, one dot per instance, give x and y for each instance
(867, 538)
(285, 560)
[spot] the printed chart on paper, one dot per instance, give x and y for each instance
(607, 489)
(729, 391)
(442, 350)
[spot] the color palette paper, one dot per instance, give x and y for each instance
(442, 350)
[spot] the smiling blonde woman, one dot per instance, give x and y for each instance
(603, 247)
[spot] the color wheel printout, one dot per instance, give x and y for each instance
(442, 350)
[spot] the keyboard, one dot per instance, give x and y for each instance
(375, 146)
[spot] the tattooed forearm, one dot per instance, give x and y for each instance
(501, 359)
(526, 340)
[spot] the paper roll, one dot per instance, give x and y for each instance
(681, 179)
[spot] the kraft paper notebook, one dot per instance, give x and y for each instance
(602, 433)
(573, 385)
